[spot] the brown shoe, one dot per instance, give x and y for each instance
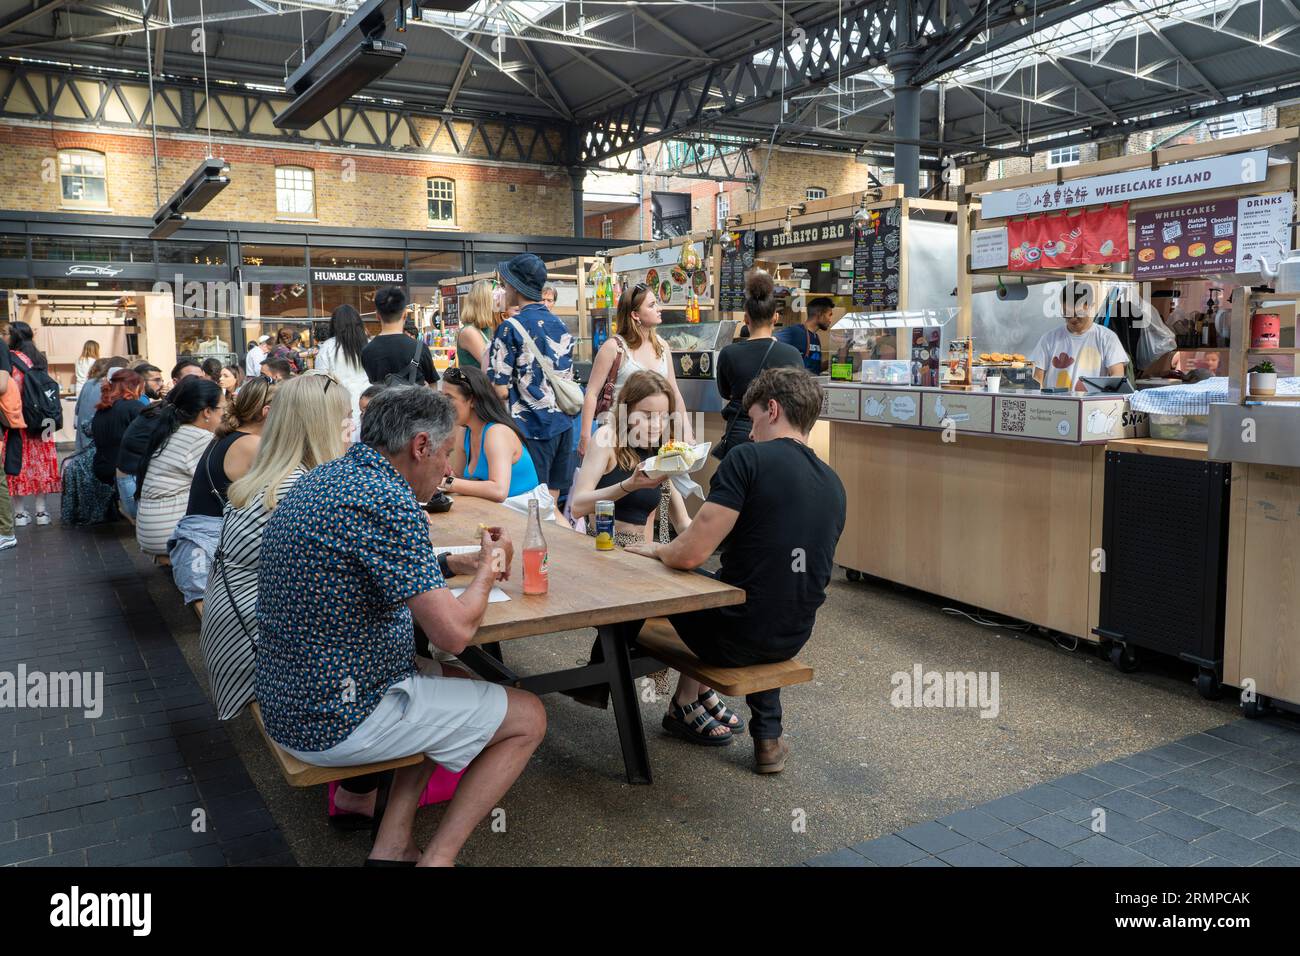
(769, 755)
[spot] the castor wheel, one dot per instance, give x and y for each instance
(1124, 658)
(1208, 686)
(1256, 708)
(852, 575)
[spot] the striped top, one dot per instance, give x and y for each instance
(229, 644)
(166, 489)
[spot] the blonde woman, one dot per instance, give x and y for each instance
(644, 418)
(89, 355)
(636, 348)
(477, 324)
(301, 431)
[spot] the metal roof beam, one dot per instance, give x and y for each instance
(1168, 44)
(33, 14)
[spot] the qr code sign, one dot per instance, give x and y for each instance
(1013, 416)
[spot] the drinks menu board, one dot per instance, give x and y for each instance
(737, 260)
(876, 245)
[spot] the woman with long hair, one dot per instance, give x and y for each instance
(184, 427)
(340, 354)
(88, 397)
(212, 369)
(88, 486)
(301, 432)
(32, 470)
(636, 348)
(228, 458)
(492, 461)
(231, 379)
(89, 354)
(741, 361)
(119, 405)
(478, 323)
(644, 419)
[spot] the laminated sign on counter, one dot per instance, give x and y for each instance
(1094, 237)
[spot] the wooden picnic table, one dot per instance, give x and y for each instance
(612, 591)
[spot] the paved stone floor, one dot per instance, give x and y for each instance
(126, 787)
(152, 780)
(1227, 797)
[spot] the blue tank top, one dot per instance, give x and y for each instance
(523, 474)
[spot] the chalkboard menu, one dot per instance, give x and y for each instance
(876, 246)
(737, 260)
(450, 306)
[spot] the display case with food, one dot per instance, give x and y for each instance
(695, 348)
(860, 338)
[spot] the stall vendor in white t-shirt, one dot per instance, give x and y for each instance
(1081, 348)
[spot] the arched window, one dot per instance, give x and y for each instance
(295, 191)
(814, 192)
(442, 201)
(83, 178)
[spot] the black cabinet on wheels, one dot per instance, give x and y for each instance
(1165, 544)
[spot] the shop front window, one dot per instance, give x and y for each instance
(358, 258)
(448, 263)
(193, 253)
(13, 247)
(273, 256)
(203, 337)
(92, 250)
(282, 299)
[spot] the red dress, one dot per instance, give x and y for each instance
(40, 468)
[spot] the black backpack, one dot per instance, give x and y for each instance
(41, 405)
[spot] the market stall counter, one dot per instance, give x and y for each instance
(993, 500)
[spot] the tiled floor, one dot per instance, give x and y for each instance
(1226, 797)
(154, 779)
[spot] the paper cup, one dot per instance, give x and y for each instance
(993, 383)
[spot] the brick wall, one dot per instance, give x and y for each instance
(790, 173)
(626, 223)
(363, 190)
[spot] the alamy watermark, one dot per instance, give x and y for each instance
(952, 689)
(77, 690)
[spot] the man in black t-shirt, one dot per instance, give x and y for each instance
(777, 512)
(7, 539)
(392, 352)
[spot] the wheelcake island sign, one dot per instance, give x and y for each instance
(1217, 172)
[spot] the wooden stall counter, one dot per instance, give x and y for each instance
(1161, 448)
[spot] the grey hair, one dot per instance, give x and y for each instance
(400, 412)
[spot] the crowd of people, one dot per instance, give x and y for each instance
(296, 506)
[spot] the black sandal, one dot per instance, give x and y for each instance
(723, 714)
(698, 729)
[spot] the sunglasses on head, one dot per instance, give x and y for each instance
(454, 374)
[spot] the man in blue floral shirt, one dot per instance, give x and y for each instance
(519, 378)
(346, 564)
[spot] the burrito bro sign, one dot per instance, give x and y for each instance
(1217, 172)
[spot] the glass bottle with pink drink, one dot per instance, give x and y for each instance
(535, 554)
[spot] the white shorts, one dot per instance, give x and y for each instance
(449, 719)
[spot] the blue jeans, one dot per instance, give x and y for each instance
(126, 494)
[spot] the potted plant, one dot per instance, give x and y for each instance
(1263, 379)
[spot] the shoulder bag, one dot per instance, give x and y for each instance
(732, 411)
(606, 400)
(568, 393)
(411, 374)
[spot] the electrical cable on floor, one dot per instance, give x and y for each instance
(984, 622)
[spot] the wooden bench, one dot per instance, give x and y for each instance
(661, 641)
(299, 774)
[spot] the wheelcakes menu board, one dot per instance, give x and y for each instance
(1187, 240)
(737, 260)
(876, 256)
